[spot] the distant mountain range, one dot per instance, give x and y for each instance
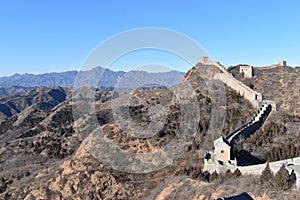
(105, 78)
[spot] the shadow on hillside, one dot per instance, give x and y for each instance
(245, 158)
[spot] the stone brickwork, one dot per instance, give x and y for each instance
(222, 150)
(205, 61)
(247, 70)
(282, 63)
(254, 97)
(220, 162)
(221, 157)
(290, 164)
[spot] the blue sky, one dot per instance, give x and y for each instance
(46, 36)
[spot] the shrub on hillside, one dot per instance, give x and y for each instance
(267, 133)
(213, 176)
(267, 175)
(228, 173)
(236, 173)
(282, 178)
(283, 151)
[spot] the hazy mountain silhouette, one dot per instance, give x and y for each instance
(105, 78)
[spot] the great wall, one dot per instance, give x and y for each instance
(248, 129)
(221, 158)
(254, 97)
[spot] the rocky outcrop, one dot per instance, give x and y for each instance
(40, 98)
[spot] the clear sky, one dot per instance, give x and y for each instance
(57, 35)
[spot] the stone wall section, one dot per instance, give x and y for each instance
(254, 97)
(250, 128)
(292, 164)
(266, 106)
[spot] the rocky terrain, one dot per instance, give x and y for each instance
(43, 153)
(279, 137)
(4, 92)
(42, 98)
(277, 83)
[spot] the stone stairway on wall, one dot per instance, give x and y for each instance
(254, 97)
(212, 164)
(248, 129)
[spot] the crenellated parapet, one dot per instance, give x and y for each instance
(205, 61)
(254, 97)
(247, 70)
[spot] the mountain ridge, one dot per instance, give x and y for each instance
(108, 78)
(42, 153)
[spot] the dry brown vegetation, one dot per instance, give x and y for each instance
(41, 153)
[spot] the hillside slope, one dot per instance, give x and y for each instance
(279, 137)
(42, 98)
(280, 84)
(4, 92)
(42, 154)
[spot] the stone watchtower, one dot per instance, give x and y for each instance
(222, 149)
(282, 63)
(247, 70)
(204, 59)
